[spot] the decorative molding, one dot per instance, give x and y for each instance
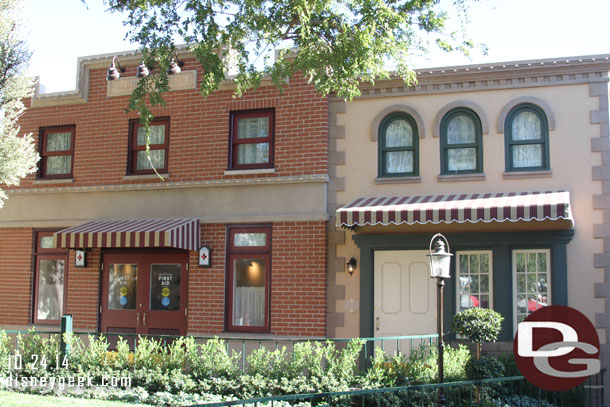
(171, 185)
(550, 117)
(394, 109)
(53, 181)
(436, 129)
(184, 80)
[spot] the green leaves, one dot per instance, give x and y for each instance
(478, 324)
(340, 43)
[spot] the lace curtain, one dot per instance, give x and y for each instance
(157, 157)
(461, 130)
(249, 306)
(58, 164)
(50, 289)
(399, 134)
(525, 127)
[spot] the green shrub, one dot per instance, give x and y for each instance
(484, 368)
(478, 324)
(39, 354)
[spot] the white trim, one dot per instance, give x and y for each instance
(247, 172)
(514, 277)
(457, 275)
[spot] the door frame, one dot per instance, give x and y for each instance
(143, 251)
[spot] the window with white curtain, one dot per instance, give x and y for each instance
(398, 146)
(249, 268)
(526, 133)
(252, 139)
(50, 279)
(149, 148)
(56, 151)
(461, 142)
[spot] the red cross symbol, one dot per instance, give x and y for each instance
(80, 257)
(204, 256)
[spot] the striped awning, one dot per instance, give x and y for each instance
(456, 208)
(132, 233)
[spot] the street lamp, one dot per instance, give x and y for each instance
(440, 261)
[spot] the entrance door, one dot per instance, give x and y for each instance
(405, 297)
(144, 293)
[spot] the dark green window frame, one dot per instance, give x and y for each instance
(543, 140)
(445, 147)
(383, 150)
(500, 243)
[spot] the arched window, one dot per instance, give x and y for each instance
(526, 133)
(398, 146)
(461, 142)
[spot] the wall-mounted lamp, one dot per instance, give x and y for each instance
(113, 72)
(142, 71)
(175, 66)
(351, 266)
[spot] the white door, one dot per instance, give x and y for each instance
(405, 298)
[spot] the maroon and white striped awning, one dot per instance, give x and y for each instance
(456, 208)
(132, 233)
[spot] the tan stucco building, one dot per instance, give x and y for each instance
(509, 161)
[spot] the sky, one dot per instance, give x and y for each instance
(60, 31)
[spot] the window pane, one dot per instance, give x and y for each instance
(461, 130)
(526, 126)
(253, 127)
(58, 164)
(165, 287)
(527, 155)
(253, 153)
(50, 289)
(399, 134)
(122, 283)
(462, 159)
(59, 141)
(250, 239)
(398, 162)
(157, 160)
(532, 282)
(249, 292)
(474, 280)
(46, 242)
(157, 135)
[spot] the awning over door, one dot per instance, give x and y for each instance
(457, 208)
(132, 233)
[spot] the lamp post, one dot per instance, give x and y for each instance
(440, 261)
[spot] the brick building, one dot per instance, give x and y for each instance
(245, 178)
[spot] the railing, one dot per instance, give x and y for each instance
(501, 392)
(245, 346)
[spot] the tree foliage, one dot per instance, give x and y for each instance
(18, 156)
(340, 43)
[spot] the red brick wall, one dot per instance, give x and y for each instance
(15, 276)
(199, 131)
(298, 281)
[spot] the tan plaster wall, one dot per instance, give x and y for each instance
(571, 161)
(239, 203)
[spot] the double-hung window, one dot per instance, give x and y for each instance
(252, 139)
(474, 279)
(50, 277)
(527, 139)
(461, 142)
(248, 282)
(56, 151)
(157, 139)
(398, 146)
(531, 282)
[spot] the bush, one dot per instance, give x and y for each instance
(478, 324)
(484, 368)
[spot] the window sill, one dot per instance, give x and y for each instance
(248, 172)
(144, 176)
(460, 177)
(398, 180)
(527, 174)
(44, 181)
